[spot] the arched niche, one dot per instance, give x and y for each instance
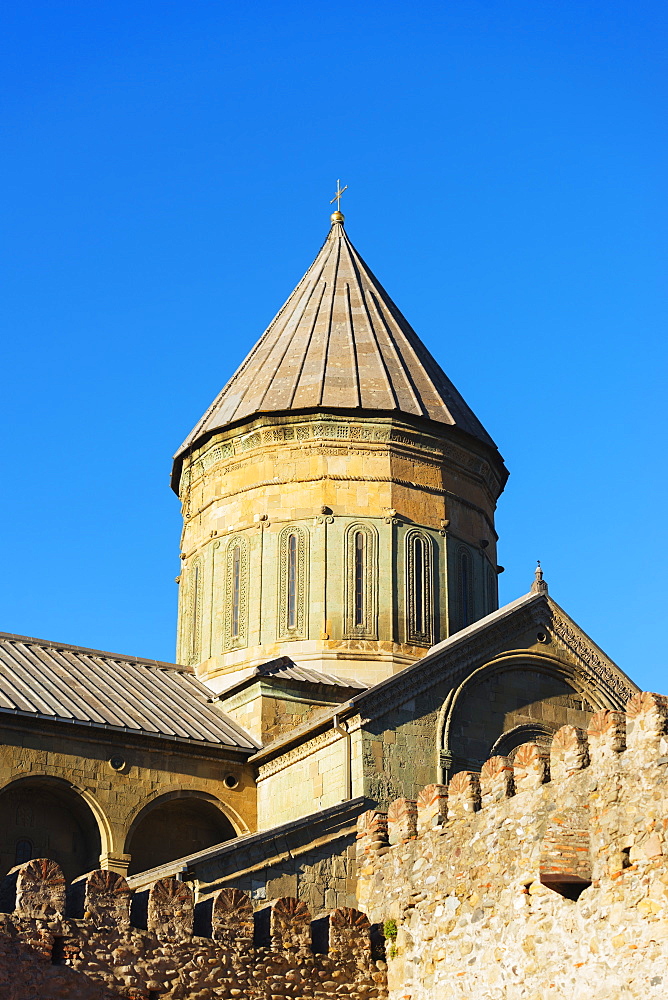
(42, 817)
(516, 699)
(175, 825)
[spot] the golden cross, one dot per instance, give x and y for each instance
(337, 195)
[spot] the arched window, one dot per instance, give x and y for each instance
(360, 553)
(466, 610)
(293, 579)
(23, 852)
(361, 582)
(492, 600)
(419, 586)
(236, 594)
(193, 619)
(293, 583)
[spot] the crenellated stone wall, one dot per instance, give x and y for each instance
(540, 879)
(97, 940)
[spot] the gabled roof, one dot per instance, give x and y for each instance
(453, 659)
(285, 669)
(339, 342)
(51, 680)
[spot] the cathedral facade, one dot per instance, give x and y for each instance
(340, 643)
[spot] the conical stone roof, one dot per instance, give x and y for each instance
(339, 343)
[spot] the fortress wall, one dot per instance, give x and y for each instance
(541, 878)
(96, 940)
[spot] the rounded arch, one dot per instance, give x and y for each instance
(560, 680)
(360, 582)
(509, 742)
(420, 597)
(176, 824)
(50, 817)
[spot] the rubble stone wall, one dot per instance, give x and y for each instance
(96, 940)
(543, 879)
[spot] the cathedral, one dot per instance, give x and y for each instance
(339, 639)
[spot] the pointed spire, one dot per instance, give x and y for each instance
(539, 585)
(339, 342)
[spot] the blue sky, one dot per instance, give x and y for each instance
(167, 169)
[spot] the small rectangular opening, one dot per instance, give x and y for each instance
(568, 886)
(262, 928)
(58, 951)
(320, 936)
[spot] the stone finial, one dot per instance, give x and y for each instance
(371, 833)
(606, 734)
(402, 820)
(432, 807)
(349, 935)
(232, 920)
(106, 898)
(496, 780)
(463, 794)
(539, 586)
(40, 889)
(290, 925)
(170, 909)
(647, 725)
(530, 767)
(569, 752)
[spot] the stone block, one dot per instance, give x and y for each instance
(530, 767)
(290, 925)
(463, 794)
(647, 725)
(170, 909)
(402, 820)
(606, 735)
(232, 920)
(40, 889)
(569, 752)
(496, 780)
(432, 807)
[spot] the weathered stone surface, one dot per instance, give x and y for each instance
(463, 794)
(232, 919)
(569, 752)
(432, 806)
(559, 892)
(496, 780)
(530, 767)
(170, 909)
(606, 735)
(107, 899)
(41, 889)
(290, 925)
(402, 820)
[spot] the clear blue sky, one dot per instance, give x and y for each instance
(166, 173)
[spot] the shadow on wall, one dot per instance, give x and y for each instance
(43, 817)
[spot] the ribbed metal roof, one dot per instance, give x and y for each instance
(339, 342)
(91, 687)
(283, 668)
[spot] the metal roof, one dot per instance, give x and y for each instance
(339, 342)
(283, 668)
(90, 687)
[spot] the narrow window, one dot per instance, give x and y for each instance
(360, 570)
(419, 588)
(23, 852)
(419, 564)
(465, 589)
(292, 582)
(236, 590)
(194, 647)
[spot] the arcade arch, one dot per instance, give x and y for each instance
(44, 817)
(175, 825)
